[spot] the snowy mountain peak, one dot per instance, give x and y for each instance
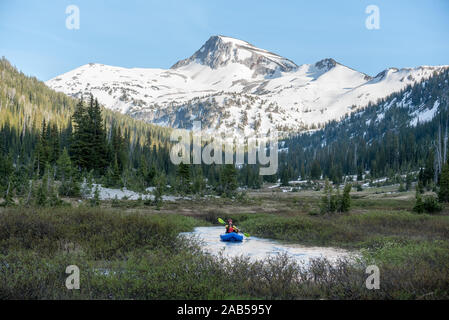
(221, 51)
(383, 74)
(229, 84)
(326, 64)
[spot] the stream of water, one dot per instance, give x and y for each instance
(258, 248)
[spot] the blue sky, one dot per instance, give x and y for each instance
(156, 34)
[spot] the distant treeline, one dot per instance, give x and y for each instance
(41, 130)
(37, 125)
(381, 138)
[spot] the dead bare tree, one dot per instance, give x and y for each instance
(445, 144)
(440, 151)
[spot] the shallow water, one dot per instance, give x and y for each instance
(258, 248)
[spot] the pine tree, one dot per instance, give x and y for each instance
(42, 150)
(98, 136)
(345, 204)
(443, 194)
(143, 172)
(303, 171)
(119, 148)
(88, 145)
(64, 165)
(419, 204)
(184, 178)
(151, 175)
(360, 173)
(335, 200)
(113, 175)
(41, 196)
(53, 198)
(95, 200)
(160, 183)
(420, 186)
(88, 184)
(80, 140)
(408, 182)
(22, 173)
(6, 170)
(285, 175)
(229, 180)
(69, 186)
(198, 185)
(53, 143)
(315, 173)
(42, 192)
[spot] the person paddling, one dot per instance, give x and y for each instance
(230, 227)
(234, 228)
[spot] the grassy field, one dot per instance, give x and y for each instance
(127, 250)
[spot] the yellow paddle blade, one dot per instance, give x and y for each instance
(221, 221)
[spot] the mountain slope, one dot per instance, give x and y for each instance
(230, 84)
(398, 134)
(25, 102)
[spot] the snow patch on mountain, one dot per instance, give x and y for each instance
(231, 85)
(423, 114)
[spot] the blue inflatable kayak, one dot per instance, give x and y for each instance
(231, 237)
